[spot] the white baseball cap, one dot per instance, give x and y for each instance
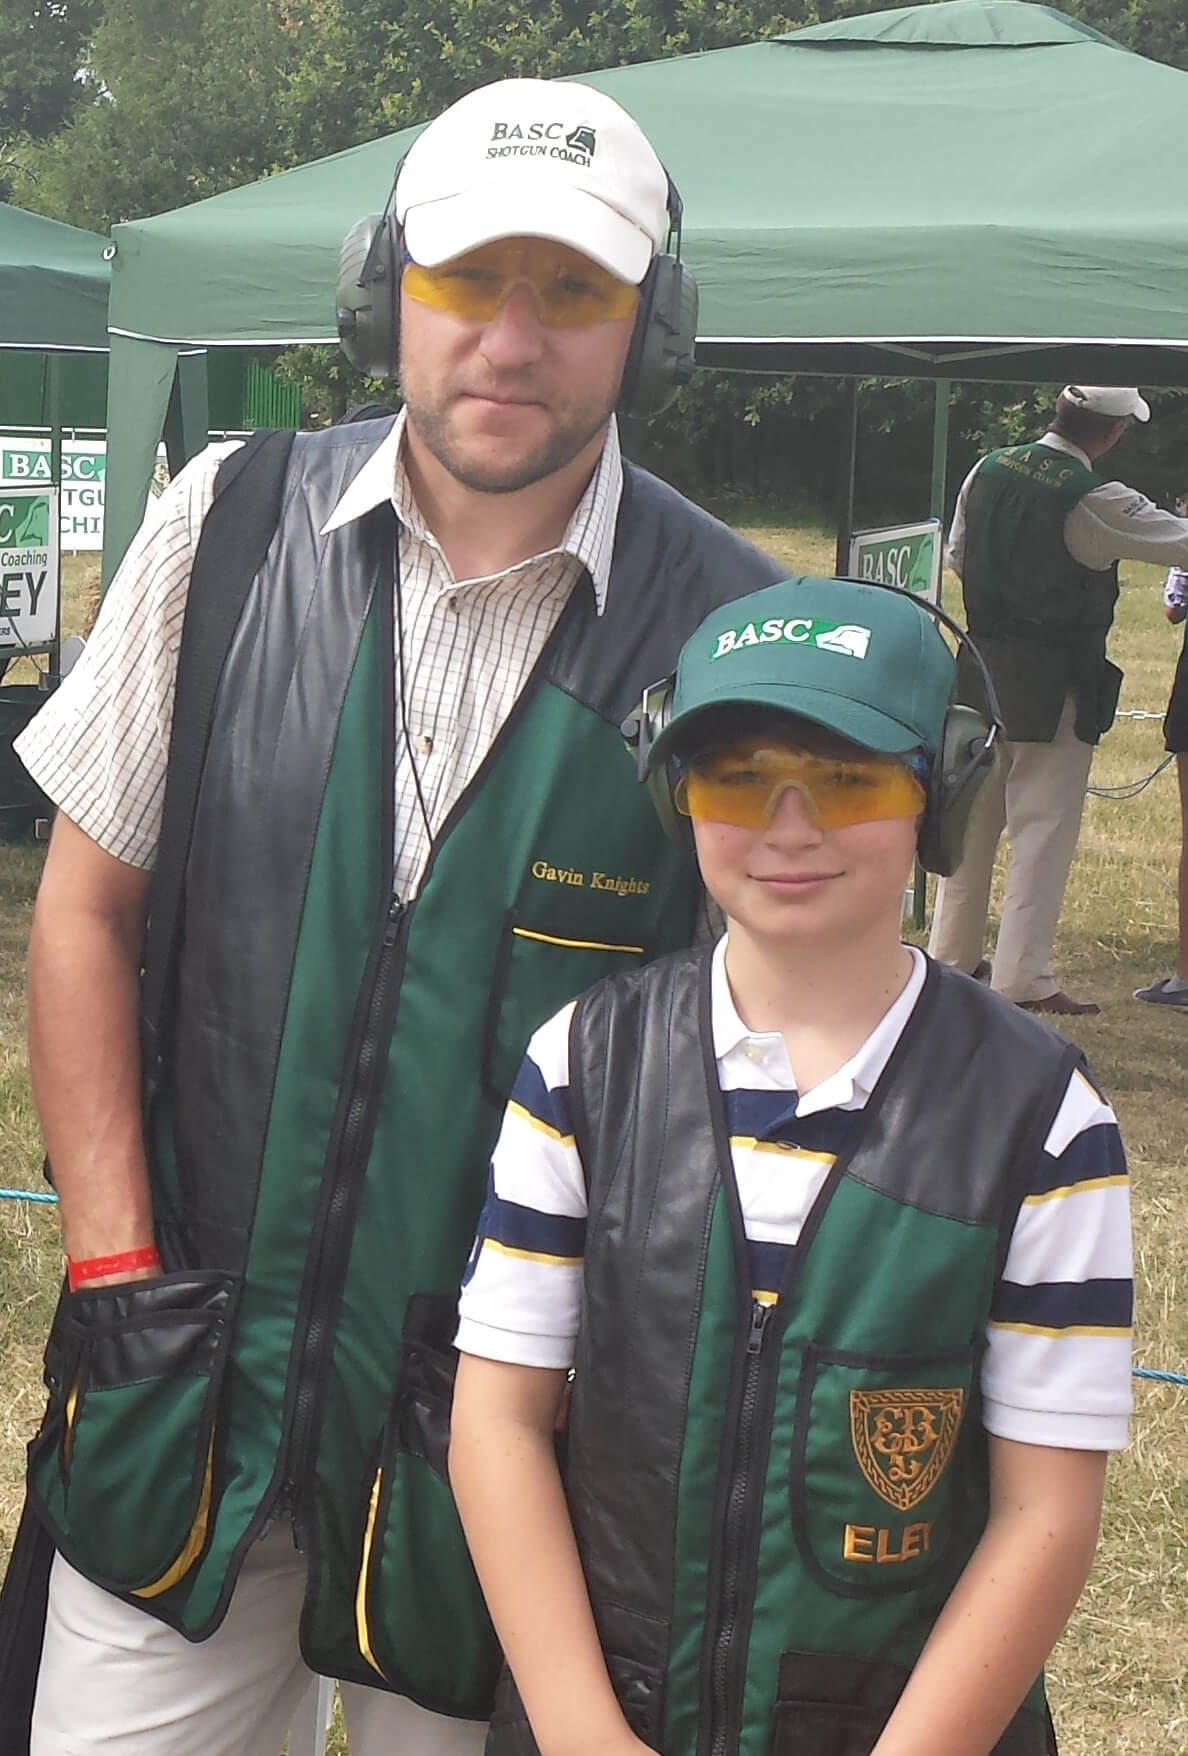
(536, 158)
(1107, 399)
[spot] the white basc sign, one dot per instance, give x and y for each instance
(25, 463)
(906, 555)
(29, 570)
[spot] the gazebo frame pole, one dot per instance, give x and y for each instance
(936, 509)
(940, 452)
(54, 398)
(846, 463)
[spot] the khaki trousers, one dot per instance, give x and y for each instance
(115, 1682)
(1037, 793)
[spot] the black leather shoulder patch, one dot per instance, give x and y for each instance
(965, 1102)
(653, 1178)
(673, 564)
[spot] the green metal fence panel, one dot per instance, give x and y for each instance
(267, 402)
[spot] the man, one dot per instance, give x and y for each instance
(1036, 540)
(417, 833)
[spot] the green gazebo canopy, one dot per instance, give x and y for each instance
(967, 189)
(53, 322)
(53, 284)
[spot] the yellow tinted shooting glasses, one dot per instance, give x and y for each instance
(568, 288)
(743, 785)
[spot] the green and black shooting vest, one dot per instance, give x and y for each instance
(1039, 618)
(772, 1503)
(339, 1058)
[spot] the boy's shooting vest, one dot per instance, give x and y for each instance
(1040, 618)
(773, 1503)
(333, 1079)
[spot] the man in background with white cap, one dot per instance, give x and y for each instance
(416, 835)
(1036, 540)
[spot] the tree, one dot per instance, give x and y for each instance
(181, 102)
(1155, 28)
(42, 47)
(365, 67)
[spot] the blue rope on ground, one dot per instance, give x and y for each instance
(1137, 1371)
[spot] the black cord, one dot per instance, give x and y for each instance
(1130, 789)
(403, 696)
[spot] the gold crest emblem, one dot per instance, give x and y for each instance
(903, 1439)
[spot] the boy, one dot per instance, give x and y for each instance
(837, 1242)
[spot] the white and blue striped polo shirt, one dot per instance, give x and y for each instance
(1057, 1365)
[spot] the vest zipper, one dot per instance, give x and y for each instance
(315, 1345)
(724, 1685)
(349, 1154)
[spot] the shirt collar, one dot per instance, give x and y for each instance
(852, 1084)
(1059, 443)
(589, 535)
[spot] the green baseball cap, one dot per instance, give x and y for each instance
(865, 661)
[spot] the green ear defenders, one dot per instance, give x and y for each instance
(659, 358)
(961, 766)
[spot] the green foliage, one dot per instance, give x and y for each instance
(181, 101)
(365, 67)
(329, 383)
(779, 440)
(1155, 28)
(41, 49)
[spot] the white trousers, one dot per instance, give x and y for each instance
(1037, 793)
(115, 1682)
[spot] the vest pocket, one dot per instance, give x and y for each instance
(122, 1471)
(1108, 690)
(832, 1704)
(872, 1471)
(536, 972)
(509, 1733)
(640, 1692)
(836, 1704)
(411, 1535)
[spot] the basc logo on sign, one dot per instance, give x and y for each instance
(24, 522)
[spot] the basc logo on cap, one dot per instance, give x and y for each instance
(847, 638)
(543, 140)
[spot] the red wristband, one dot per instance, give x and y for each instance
(99, 1267)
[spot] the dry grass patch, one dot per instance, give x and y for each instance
(30, 1260)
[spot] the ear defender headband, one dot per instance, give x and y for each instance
(959, 769)
(659, 357)
(367, 298)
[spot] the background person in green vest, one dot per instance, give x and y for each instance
(802, 1211)
(1036, 539)
(416, 833)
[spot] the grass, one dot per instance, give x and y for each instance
(1118, 1678)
